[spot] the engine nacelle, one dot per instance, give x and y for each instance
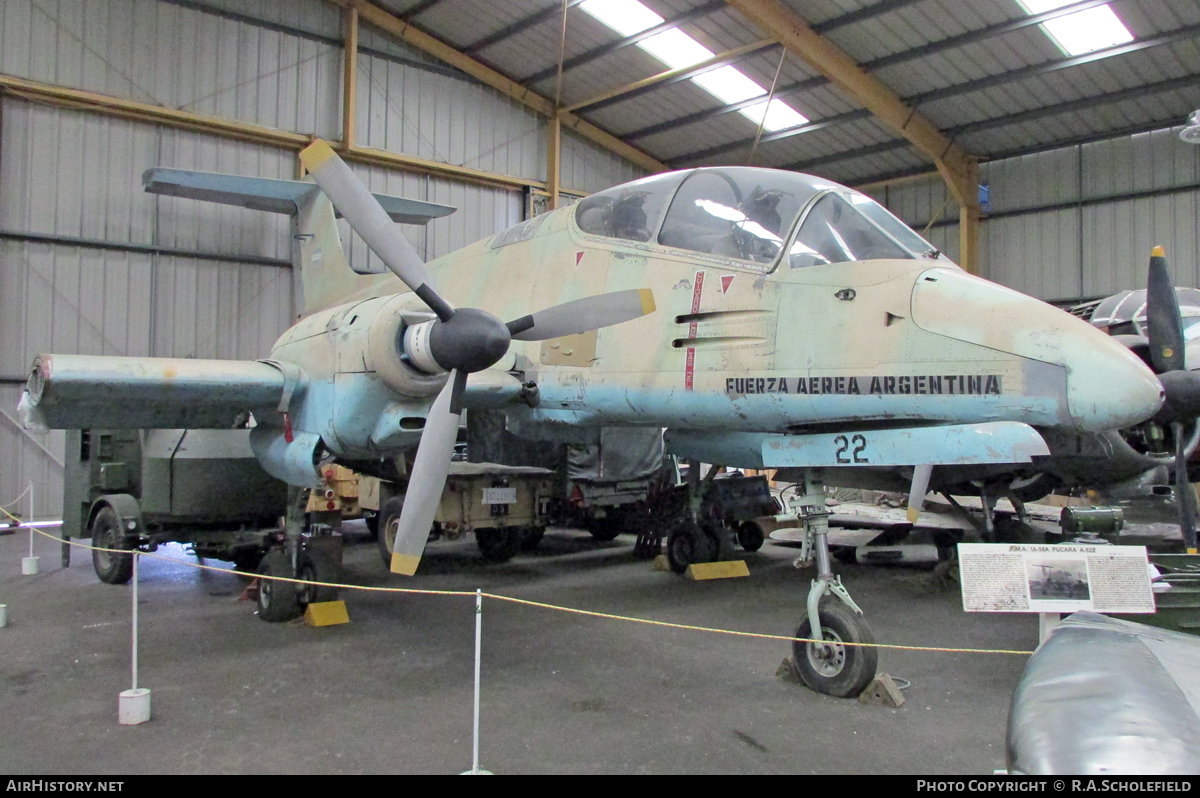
(386, 340)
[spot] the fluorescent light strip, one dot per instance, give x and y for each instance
(1081, 32)
(677, 50)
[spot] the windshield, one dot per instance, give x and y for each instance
(735, 212)
(891, 225)
(835, 232)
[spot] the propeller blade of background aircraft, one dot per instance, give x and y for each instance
(432, 463)
(368, 218)
(583, 315)
(1163, 320)
(1185, 494)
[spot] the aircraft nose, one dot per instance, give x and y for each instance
(1106, 387)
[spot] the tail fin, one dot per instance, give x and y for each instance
(323, 277)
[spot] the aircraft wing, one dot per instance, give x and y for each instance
(82, 391)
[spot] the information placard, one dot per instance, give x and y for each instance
(1003, 577)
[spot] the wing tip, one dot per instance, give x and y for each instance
(405, 564)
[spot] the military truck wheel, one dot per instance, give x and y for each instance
(499, 544)
(605, 529)
(388, 522)
(688, 544)
(113, 569)
(372, 521)
(531, 537)
(248, 561)
(750, 536)
(829, 667)
(317, 566)
(277, 601)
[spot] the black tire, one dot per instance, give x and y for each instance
(687, 544)
(531, 537)
(372, 521)
(277, 601)
(498, 544)
(607, 528)
(389, 516)
(751, 536)
(846, 670)
(317, 566)
(113, 569)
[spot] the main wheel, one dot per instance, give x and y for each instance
(113, 569)
(499, 544)
(687, 544)
(750, 536)
(531, 536)
(317, 566)
(831, 668)
(388, 523)
(277, 601)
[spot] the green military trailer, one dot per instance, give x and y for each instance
(138, 489)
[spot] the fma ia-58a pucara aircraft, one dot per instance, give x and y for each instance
(763, 318)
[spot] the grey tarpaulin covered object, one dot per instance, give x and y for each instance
(1105, 696)
(624, 454)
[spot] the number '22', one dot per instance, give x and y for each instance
(844, 443)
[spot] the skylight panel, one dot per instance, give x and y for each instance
(1083, 31)
(626, 17)
(780, 116)
(729, 85)
(677, 50)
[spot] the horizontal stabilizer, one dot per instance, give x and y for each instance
(85, 391)
(274, 196)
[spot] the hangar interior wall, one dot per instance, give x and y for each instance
(89, 263)
(1075, 222)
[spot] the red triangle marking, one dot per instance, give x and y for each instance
(578, 257)
(726, 281)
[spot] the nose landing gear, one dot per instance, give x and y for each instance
(834, 663)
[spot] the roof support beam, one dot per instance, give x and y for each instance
(671, 76)
(350, 78)
(393, 25)
(957, 168)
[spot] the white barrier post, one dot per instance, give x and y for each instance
(134, 704)
(475, 769)
(3, 612)
(29, 565)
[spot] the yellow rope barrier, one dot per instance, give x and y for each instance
(542, 605)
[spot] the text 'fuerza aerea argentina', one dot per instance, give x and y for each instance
(937, 385)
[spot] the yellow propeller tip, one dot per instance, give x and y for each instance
(315, 155)
(647, 297)
(405, 564)
(1158, 252)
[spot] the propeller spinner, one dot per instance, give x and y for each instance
(461, 341)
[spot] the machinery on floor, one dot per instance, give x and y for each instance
(764, 318)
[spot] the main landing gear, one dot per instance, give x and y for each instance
(829, 665)
(314, 557)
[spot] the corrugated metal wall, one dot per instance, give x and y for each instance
(77, 175)
(1076, 222)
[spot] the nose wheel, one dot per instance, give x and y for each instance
(833, 660)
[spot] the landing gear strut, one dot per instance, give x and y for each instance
(828, 665)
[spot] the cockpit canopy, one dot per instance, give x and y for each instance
(749, 214)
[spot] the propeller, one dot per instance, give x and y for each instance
(1181, 387)
(460, 341)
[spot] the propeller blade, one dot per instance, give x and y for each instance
(368, 218)
(432, 463)
(1164, 323)
(583, 315)
(1185, 495)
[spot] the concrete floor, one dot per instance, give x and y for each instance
(391, 691)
